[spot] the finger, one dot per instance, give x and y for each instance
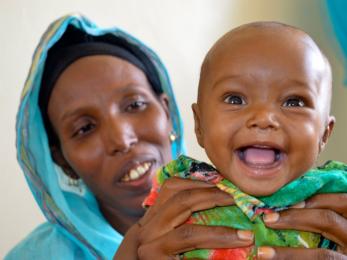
(326, 222)
(171, 187)
(181, 206)
(279, 253)
(336, 202)
(128, 248)
(174, 185)
(189, 237)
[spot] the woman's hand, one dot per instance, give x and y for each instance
(325, 214)
(162, 234)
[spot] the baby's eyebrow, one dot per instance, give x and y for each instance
(228, 78)
(296, 82)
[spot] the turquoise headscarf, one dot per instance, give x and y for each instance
(75, 228)
(337, 14)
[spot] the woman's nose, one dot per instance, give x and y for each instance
(263, 118)
(120, 136)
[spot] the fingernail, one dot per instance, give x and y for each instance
(265, 252)
(245, 234)
(299, 205)
(271, 217)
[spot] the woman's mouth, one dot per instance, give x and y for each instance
(137, 172)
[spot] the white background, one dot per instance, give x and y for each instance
(180, 31)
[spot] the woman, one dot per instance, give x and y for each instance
(91, 188)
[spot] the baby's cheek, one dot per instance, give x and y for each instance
(309, 137)
(305, 148)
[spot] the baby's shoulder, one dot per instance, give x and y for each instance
(333, 165)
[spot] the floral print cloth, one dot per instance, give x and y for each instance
(248, 211)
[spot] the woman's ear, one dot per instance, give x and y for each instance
(164, 101)
(59, 159)
(327, 132)
(198, 130)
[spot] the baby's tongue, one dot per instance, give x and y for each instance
(259, 156)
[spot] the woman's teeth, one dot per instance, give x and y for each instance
(137, 172)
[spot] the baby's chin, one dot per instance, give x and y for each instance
(259, 191)
(260, 188)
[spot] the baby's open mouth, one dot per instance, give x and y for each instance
(137, 172)
(259, 156)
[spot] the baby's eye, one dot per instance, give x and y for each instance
(85, 129)
(294, 102)
(136, 105)
(234, 100)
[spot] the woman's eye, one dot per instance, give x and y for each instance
(294, 102)
(136, 105)
(84, 129)
(234, 100)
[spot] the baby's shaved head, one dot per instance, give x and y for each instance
(260, 32)
(262, 114)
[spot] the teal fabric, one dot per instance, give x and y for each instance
(337, 13)
(75, 228)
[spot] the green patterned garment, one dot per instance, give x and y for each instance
(248, 211)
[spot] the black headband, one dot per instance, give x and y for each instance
(60, 57)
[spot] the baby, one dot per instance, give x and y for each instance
(263, 117)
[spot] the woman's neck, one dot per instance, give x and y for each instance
(120, 220)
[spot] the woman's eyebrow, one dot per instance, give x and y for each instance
(72, 113)
(78, 110)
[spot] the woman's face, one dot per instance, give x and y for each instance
(113, 131)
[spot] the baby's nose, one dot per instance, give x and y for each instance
(263, 117)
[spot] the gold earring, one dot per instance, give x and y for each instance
(172, 136)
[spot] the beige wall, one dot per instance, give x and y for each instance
(181, 31)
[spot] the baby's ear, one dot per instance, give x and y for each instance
(327, 132)
(198, 129)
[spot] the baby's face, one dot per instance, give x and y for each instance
(262, 110)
